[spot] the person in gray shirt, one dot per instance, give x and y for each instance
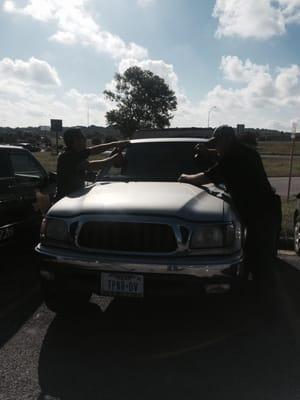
(73, 163)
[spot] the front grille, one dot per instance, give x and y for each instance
(127, 237)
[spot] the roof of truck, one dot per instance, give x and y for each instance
(166, 140)
(8, 146)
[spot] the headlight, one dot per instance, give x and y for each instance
(55, 229)
(208, 237)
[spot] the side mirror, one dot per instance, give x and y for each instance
(298, 196)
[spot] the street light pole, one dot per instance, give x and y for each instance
(88, 114)
(209, 114)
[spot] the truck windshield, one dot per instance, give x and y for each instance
(163, 161)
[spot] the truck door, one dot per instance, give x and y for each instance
(29, 176)
(8, 196)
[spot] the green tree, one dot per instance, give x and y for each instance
(143, 100)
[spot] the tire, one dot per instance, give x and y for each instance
(297, 236)
(60, 301)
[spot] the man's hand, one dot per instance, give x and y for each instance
(107, 146)
(201, 151)
(119, 146)
(184, 178)
(197, 180)
(122, 144)
(117, 160)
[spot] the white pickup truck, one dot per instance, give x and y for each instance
(137, 231)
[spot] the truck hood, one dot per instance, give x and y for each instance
(178, 200)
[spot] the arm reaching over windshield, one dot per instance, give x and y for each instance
(201, 151)
(108, 146)
(197, 179)
(99, 164)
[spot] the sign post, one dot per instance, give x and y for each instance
(56, 126)
(293, 141)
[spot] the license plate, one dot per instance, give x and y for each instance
(113, 284)
(6, 233)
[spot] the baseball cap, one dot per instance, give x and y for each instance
(223, 132)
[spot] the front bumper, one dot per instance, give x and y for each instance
(64, 260)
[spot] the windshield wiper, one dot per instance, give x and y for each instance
(221, 194)
(116, 178)
(123, 178)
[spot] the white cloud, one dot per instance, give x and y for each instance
(145, 3)
(235, 70)
(23, 107)
(76, 25)
(260, 19)
(9, 6)
(261, 95)
(287, 80)
(31, 72)
(31, 93)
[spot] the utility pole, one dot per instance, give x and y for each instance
(56, 127)
(88, 115)
(293, 142)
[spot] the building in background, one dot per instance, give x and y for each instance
(240, 129)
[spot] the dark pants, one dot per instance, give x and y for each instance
(262, 241)
(261, 260)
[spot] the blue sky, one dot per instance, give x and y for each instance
(242, 57)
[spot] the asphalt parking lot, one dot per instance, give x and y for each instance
(207, 348)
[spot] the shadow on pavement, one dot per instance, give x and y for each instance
(179, 349)
(15, 318)
(19, 289)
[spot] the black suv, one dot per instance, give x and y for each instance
(22, 178)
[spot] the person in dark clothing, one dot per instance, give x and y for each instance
(240, 168)
(73, 163)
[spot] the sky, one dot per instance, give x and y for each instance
(240, 59)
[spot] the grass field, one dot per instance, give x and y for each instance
(277, 148)
(48, 160)
(288, 210)
(280, 167)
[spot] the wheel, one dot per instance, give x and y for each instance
(59, 300)
(297, 236)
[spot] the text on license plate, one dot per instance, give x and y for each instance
(122, 284)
